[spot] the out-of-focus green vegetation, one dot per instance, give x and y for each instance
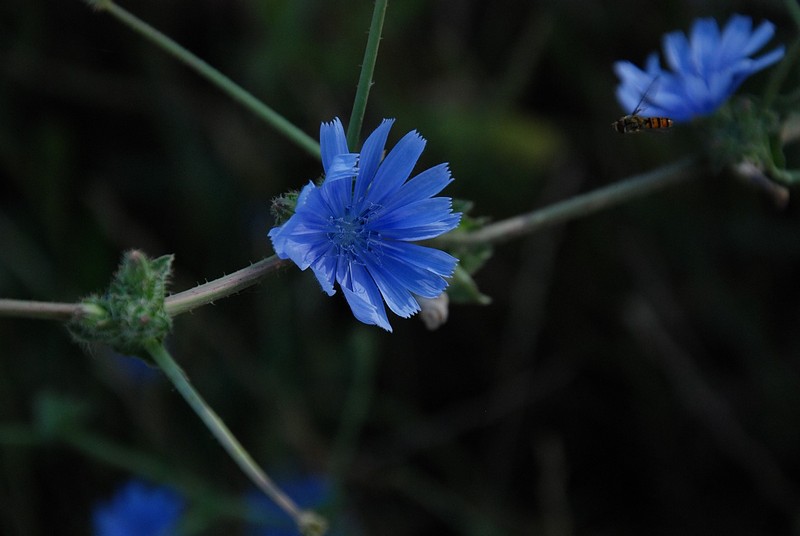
(638, 371)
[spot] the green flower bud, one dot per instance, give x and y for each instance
(131, 312)
(283, 206)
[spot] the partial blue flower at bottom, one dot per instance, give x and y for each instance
(358, 226)
(310, 492)
(706, 69)
(138, 509)
(133, 370)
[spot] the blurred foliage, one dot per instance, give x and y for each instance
(637, 372)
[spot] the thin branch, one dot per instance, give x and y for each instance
(306, 520)
(573, 208)
(228, 86)
(175, 304)
(222, 287)
(39, 310)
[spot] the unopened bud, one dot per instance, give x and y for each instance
(434, 310)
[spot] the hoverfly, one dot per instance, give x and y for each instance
(634, 122)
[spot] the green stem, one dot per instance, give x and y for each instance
(365, 78)
(780, 73)
(39, 310)
(136, 463)
(307, 521)
(18, 435)
(175, 304)
(573, 208)
(783, 69)
(222, 287)
(129, 460)
(794, 11)
(228, 86)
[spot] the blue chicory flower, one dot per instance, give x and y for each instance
(706, 69)
(138, 509)
(310, 492)
(132, 370)
(358, 226)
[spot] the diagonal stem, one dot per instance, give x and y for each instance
(306, 521)
(228, 86)
(222, 287)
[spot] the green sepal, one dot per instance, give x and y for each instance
(468, 222)
(131, 313)
(463, 288)
(283, 206)
(470, 258)
(741, 130)
(745, 131)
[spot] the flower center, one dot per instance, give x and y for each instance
(351, 234)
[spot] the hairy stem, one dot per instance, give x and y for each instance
(573, 208)
(222, 287)
(365, 78)
(175, 304)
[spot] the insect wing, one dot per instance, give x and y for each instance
(642, 105)
(634, 122)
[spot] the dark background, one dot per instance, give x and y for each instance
(638, 371)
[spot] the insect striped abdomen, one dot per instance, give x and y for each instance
(658, 122)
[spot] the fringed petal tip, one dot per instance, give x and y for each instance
(366, 312)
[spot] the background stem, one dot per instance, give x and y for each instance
(228, 86)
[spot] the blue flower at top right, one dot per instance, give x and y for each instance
(705, 69)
